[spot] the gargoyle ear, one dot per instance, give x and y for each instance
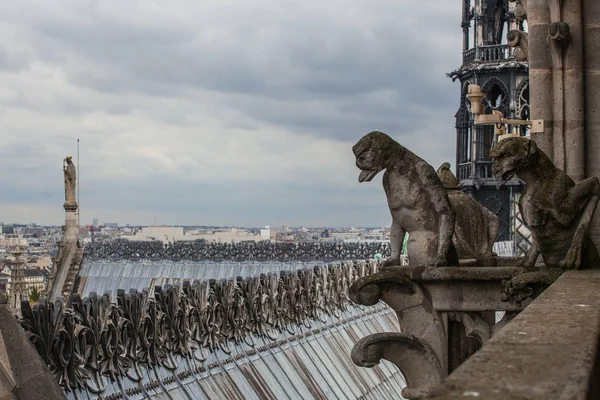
(531, 147)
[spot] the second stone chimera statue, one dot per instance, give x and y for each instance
(557, 210)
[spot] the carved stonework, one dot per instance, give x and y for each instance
(556, 209)
(402, 349)
(428, 301)
(65, 265)
(416, 198)
(249, 251)
(70, 183)
(92, 341)
(520, 42)
(476, 228)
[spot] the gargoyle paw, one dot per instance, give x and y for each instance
(516, 288)
(573, 258)
(438, 262)
(392, 262)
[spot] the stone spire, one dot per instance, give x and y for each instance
(70, 253)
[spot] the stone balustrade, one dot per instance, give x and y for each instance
(487, 54)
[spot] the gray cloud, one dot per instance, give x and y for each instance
(237, 111)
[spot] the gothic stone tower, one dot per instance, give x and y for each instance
(490, 63)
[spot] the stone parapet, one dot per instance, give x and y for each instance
(549, 351)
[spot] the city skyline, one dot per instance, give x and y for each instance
(212, 118)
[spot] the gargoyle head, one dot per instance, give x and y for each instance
(372, 153)
(446, 176)
(511, 155)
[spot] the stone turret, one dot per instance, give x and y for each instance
(18, 290)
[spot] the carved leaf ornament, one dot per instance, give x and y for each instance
(91, 341)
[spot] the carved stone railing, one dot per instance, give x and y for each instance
(463, 171)
(428, 301)
(498, 52)
(483, 169)
(491, 53)
(91, 341)
(259, 251)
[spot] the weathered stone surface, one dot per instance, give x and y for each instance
(547, 352)
(519, 40)
(70, 182)
(428, 301)
(23, 373)
(417, 200)
(413, 356)
(591, 32)
(554, 208)
(476, 227)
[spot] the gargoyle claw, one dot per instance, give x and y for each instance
(572, 259)
(438, 262)
(391, 262)
(516, 289)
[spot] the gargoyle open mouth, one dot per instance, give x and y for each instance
(507, 175)
(367, 175)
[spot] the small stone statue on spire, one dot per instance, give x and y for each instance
(70, 182)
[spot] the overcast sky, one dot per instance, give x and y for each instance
(230, 112)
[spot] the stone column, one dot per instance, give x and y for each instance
(591, 60)
(564, 72)
(573, 101)
(541, 95)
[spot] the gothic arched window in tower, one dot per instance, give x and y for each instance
(494, 20)
(496, 99)
(464, 138)
(523, 106)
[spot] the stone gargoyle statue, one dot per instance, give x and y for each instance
(557, 210)
(476, 227)
(416, 197)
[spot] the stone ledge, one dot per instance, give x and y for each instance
(548, 351)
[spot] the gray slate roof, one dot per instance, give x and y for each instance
(313, 362)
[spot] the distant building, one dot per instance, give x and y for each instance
(11, 240)
(265, 234)
(111, 224)
(7, 229)
(341, 236)
(165, 234)
(95, 222)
